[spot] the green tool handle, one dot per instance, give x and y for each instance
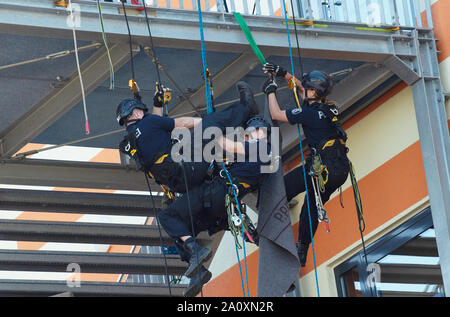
(249, 37)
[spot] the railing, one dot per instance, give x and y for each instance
(404, 13)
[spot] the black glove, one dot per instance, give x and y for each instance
(275, 70)
(270, 86)
(158, 97)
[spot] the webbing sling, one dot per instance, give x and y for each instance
(249, 37)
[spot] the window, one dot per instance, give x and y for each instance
(405, 262)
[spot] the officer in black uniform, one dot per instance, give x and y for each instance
(325, 138)
(203, 208)
(149, 140)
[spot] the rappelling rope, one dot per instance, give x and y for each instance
(301, 146)
(135, 90)
(111, 66)
(83, 95)
(210, 109)
(155, 59)
(209, 106)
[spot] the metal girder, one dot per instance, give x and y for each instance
(418, 247)
(429, 103)
(90, 262)
(222, 33)
(78, 202)
(72, 174)
(222, 80)
(50, 108)
(50, 288)
(76, 232)
(409, 273)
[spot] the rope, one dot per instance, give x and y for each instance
(209, 105)
(160, 234)
(210, 109)
(111, 66)
(359, 213)
(133, 75)
(243, 234)
(301, 151)
(83, 95)
(135, 90)
(152, 52)
(191, 218)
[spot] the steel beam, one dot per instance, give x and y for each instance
(72, 174)
(222, 32)
(409, 273)
(418, 247)
(90, 262)
(50, 108)
(78, 202)
(429, 103)
(22, 288)
(222, 80)
(76, 232)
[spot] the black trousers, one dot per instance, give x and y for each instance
(338, 169)
(207, 205)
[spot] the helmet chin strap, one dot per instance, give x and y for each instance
(128, 122)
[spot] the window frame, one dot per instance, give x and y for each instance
(379, 249)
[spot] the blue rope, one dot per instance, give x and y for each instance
(209, 109)
(242, 227)
(209, 106)
(303, 160)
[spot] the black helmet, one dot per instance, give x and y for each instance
(257, 122)
(125, 108)
(318, 81)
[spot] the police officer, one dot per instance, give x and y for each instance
(325, 137)
(149, 139)
(203, 207)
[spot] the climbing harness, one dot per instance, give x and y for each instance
(83, 95)
(237, 220)
(300, 139)
(238, 225)
(319, 177)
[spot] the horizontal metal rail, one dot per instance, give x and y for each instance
(331, 39)
(90, 262)
(389, 12)
(76, 232)
(52, 288)
(78, 202)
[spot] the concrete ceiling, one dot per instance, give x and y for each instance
(23, 86)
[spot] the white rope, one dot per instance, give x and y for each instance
(79, 69)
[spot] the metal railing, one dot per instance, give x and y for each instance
(404, 13)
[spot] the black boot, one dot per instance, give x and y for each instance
(247, 98)
(198, 255)
(302, 250)
(197, 281)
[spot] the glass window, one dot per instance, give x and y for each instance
(405, 262)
